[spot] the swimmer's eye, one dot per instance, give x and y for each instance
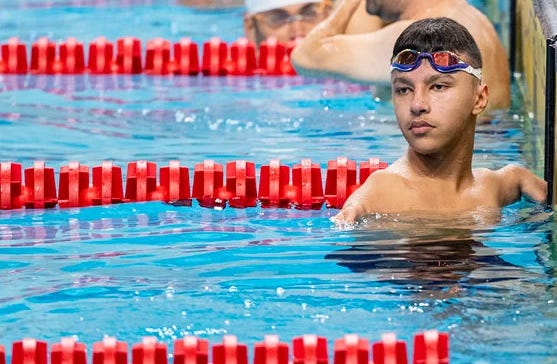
(402, 90)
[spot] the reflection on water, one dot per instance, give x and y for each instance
(431, 263)
(431, 251)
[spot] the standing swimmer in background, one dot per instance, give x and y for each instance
(330, 51)
(438, 93)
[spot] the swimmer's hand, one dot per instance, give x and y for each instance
(348, 215)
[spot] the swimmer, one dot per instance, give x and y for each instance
(438, 92)
(285, 20)
(329, 51)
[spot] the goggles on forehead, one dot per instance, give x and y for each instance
(441, 61)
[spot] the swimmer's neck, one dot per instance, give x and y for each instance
(455, 167)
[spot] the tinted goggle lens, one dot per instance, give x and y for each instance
(442, 61)
(442, 58)
(445, 59)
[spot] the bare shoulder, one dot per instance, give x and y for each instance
(392, 174)
(384, 186)
(508, 175)
(511, 182)
(377, 194)
(513, 171)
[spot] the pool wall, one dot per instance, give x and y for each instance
(534, 57)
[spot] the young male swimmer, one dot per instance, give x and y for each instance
(437, 94)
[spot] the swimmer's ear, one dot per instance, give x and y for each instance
(249, 27)
(482, 96)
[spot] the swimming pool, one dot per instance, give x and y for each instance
(140, 269)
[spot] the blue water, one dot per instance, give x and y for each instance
(140, 269)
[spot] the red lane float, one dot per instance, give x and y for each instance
(230, 351)
(68, 351)
(107, 184)
(71, 57)
(390, 350)
(274, 182)
(40, 187)
(429, 347)
(243, 60)
(14, 57)
(308, 187)
(150, 351)
(351, 350)
(186, 58)
(29, 351)
(10, 185)
(74, 186)
(241, 184)
(175, 184)
(43, 57)
(191, 350)
(340, 181)
(157, 57)
(208, 184)
(110, 351)
(101, 54)
(271, 351)
(279, 185)
(161, 57)
(310, 349)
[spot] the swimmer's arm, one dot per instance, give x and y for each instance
(364, 201)
(328, 51)
(518, 181)
(362, 22)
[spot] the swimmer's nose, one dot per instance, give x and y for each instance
(420, 104)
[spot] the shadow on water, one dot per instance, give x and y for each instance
(436, 252)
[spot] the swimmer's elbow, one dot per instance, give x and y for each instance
(532, 186)
(539, 193)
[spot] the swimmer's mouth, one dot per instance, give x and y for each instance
(420, 124)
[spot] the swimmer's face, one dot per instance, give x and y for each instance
(287, 23)
(436, 111)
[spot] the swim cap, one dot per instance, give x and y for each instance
(256, 6)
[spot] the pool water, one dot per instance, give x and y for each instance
(142, 269)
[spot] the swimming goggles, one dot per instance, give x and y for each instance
(442, 61)
(310, 13)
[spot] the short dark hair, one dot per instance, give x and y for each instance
(439, 34)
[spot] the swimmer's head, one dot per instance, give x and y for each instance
(285, 20)
(440, 34)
